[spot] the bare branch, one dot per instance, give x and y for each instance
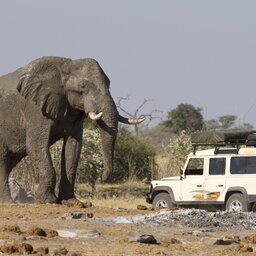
(149, 116)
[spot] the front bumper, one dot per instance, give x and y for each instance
(149, 198)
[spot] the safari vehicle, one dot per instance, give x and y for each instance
(222, 176)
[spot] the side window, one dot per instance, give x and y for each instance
(195, 166)
(217, 166)
(243, 165)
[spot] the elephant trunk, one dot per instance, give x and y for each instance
(108, 129)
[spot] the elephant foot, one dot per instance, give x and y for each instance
(6, 200)
(73, 202)
(45, 197)
(5, 197)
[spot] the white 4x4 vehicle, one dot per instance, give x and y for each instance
(220, 176)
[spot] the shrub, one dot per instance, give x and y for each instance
(174, 156)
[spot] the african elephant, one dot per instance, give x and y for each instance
(48, 100)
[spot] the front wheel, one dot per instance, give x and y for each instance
(162, 200)
(237, 203)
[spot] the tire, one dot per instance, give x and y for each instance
(252, 137)
(237, 203)
(162, 200)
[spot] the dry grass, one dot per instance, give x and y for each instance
(120, 202)
(127, 195)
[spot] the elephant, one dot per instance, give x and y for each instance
(48, 100)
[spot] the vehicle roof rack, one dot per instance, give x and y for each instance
(231, 139)
(233, 147)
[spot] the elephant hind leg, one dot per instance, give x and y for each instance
(5, 169)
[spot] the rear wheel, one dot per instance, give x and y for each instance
(162, 200)
(237, 203)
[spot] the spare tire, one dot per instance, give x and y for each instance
(251, 136)
(251, 143)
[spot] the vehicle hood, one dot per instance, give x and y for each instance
(171, 178)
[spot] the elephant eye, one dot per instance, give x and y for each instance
(84, 85)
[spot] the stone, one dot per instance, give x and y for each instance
(142, 207)
(12, 228)
(76, 203)
(42, 250)
(36, 232)
(81, 233)
(135, 236)
(51, 233)
(60, 251)
(225, 242)
(77, 215)
(8, 248)
(25, 248)
(11, 248)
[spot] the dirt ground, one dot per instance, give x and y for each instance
(20, 227)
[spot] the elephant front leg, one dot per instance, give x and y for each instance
(41, 159)
(69, 162)
(5, 195)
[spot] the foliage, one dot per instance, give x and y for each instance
(26, 175)
(184, 117)
(133, 157)
(225, 123)
(91, 160)
(174, 155)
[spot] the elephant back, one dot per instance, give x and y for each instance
(8, 82)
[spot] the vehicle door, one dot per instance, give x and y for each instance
(215, 179)
(192, 183)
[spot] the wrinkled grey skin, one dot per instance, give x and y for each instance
(48, 100)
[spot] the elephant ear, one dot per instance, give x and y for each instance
(42, 82)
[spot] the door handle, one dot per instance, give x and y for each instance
(199, 186)
(220, 185)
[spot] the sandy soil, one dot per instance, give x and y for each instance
(18, 223)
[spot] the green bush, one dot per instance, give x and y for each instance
(133, 157)
(174, 156)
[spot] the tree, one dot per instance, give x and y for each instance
(149, 116)
(185, 117)
(174, 155)
(224, 123)
(227, 121)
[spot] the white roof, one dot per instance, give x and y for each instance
(211, 152)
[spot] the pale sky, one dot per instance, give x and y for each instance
(201, 52)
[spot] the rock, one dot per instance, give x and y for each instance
(60, 251)
(225, 242)
(12, 228)
(8, 248)
(77, 215)
(250, 239)
(142, 207)
(51, 233)
(35, 238)
(76, 203)
(134, 236)
(12, 248)
(71, 233)
(245, 248)
(36, 232)
(42, 250)
(25, 248)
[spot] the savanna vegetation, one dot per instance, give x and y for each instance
(141, 154)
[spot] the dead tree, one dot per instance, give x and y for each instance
(149, 116)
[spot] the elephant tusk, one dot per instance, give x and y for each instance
(131, 120)
(95, 116)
